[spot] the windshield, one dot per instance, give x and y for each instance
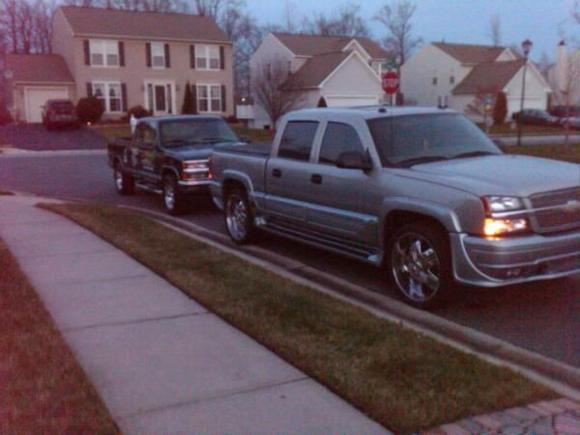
(413, 139)
(200, 131)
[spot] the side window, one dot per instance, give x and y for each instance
(296, 142)
(149, 135)
(338, 138)
(139, 134)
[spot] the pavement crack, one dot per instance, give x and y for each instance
(217, 396)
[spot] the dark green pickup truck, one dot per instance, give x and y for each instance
(168, 156)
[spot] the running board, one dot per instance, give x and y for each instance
(148, 188)
(350, 249)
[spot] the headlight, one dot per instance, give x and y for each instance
(194, 165)
(499, 204)
(501, 227)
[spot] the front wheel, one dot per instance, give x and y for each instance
(238, 216)
(124, 184)
(420, 265)
(173, 200)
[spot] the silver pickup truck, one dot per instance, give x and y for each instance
(419, 191)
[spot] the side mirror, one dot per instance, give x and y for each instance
(354, 160)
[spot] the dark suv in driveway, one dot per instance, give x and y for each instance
(59, 113)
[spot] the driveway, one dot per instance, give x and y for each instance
(34, 137)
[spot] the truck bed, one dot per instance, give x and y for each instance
(261, 149)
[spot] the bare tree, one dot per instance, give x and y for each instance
(570, 86)
(576, 11)
(345, 22)
(494, 31)
(397, 20)
(544, 64)
(271, 92)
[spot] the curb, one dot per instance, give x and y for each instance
(561, 377)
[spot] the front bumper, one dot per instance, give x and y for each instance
(197, 187)
(511, 260)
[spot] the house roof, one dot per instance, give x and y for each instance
(311, 45)
(488, 75)
(139, 24)
(470, 54)
(38, 68)
(315, 70)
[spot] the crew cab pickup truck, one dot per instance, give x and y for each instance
(419, 191)
(169, 156)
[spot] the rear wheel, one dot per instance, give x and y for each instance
(173, 199)
(239, 218)
(420, 265)
(124, 183)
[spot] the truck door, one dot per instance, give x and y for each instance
(342, 202)
(287, 174)
(148, 152)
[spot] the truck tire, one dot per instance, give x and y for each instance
(419, 265)
(173, 199)
(238, 217)
(124, 183)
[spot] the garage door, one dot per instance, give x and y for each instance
(36, 98)
(346, 101)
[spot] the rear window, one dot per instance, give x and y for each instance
(61, 105)
(297, 140)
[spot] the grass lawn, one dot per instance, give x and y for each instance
(403, 380)
(42, 387)
(111, 131)
(570, 153)
(530, 130)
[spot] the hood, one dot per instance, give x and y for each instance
(193, 152)
(501, 174)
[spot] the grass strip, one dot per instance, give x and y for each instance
(402, 379)
(43, 389)
(569, 153)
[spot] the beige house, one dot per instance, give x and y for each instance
(457, 75)
(326, 70)
(126, 59)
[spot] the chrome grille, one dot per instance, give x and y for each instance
(555, 211)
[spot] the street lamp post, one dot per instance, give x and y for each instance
(526, 47)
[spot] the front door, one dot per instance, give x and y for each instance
(160, 98)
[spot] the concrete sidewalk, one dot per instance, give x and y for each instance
(161, 362)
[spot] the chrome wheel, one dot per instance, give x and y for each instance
(416, 267)
(237, 217)
(118, 176)
(169, 194)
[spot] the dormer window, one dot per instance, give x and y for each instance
(452, 80)
(434, 81)
(104, 53)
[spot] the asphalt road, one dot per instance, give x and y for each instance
(542, 317)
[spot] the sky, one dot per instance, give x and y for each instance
(461, 21)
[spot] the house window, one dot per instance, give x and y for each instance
(109, 94)
(209, 98)
(207, 57)
(158, 55)
(452, 80)
(434, 81)
(104, 53)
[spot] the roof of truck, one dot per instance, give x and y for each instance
(178, 118)
(369, 112)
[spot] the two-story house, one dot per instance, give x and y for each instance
(325, 70)
(456, 75)
(125, 59)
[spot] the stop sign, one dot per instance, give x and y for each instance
(390, 81)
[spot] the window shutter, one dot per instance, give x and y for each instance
(192, 56)
(167, 59)
(87, 50)
(124, 97)
(224, 98)
(121, 53)
(148, 53)
(89, 89)
(194, 97)
(222, 57)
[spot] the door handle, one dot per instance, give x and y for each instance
(316, 178)
(276, 173)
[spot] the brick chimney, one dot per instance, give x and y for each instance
(561, 66)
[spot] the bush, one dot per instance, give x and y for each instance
(500, 109)
(138, 112)
(5, 116)
(90, 109)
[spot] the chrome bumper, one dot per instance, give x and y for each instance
(493, 263)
